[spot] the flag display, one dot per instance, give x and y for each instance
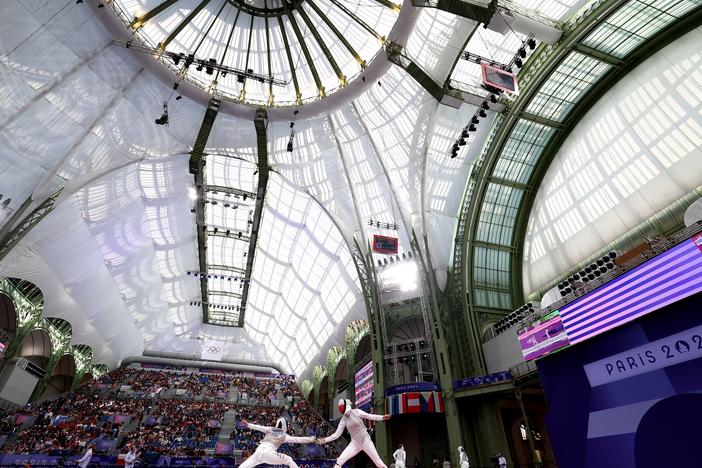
(415, 402)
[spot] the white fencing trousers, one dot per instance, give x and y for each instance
(354, 447)
(399, 464)
(267, 454)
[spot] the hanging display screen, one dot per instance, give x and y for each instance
(498, 78)
(385, 244)
(364, 385)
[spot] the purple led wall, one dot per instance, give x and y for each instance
(667, 278)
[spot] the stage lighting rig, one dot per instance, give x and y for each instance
(209, 65)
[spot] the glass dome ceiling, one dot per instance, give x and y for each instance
(263, 52)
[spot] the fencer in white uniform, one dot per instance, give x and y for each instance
(400, 455)
(352, 420)
(463, 458)
(267, 450)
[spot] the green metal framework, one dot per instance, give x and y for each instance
(197, 168)
(28, 302)
(600, 45)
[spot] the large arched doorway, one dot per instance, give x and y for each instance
(61, 378)
(87, 377)
(36, 348)
(341, 375)
(8, 322)
(324, 396)
(363, 351)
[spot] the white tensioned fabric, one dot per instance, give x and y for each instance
(304, 287)
(437, 39)
(558, 10)
(373, 196)
(233, 137)
(79, 115)
(413, 135)
(315, 166)
(633, 154)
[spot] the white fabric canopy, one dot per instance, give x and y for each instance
(114, 256)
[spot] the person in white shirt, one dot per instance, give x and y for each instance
(400, 455)
(501, 460)
(352, 420)
(267, 450)
(84, 461)
(463, 458)
(130, 457)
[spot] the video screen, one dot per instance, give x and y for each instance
(543, 337)
(667, 278)
(500, 79)
(364, 385)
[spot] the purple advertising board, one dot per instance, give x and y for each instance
(413, 387)
(479, 380)
(34, 459)
(665, 279)
(543, 337)
(223, 448)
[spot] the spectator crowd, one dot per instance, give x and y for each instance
(164, 411)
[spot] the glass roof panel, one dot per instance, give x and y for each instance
(574, 77)
(239, 38)
(631, 25)
(522, 150)
(304, 285)
(498, 214)
(491, 278)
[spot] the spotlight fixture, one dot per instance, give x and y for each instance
(163, 120)
(292, 136)
(485, 105)
(209, 69)
(518, 62)
(482, 113)
(493, 98)
(531, 43)
(472, 128)
(475, 120)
